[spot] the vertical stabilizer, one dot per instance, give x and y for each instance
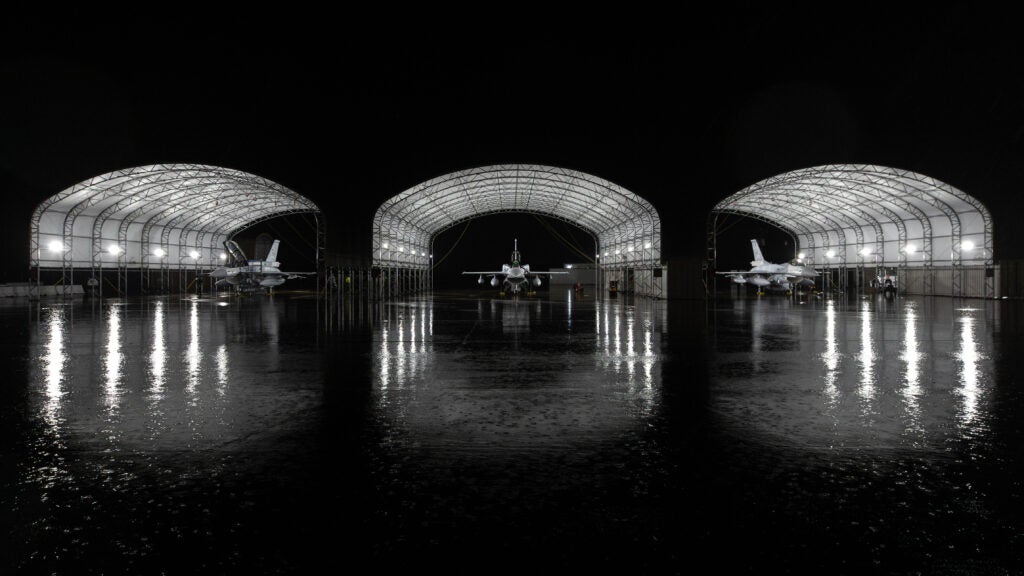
(758, 258)
(272, 254)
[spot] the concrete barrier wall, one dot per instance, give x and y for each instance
(33, 291)
(938, 281)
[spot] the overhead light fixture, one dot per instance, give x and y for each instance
(966, 246)
(159, 252)
(55, 246)
(114, 249)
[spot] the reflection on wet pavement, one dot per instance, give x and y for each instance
(281, 434)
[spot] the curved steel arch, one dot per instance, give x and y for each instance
(925, 212)
(622, 223)
(160, 205)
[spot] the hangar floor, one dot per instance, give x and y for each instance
(547, 435)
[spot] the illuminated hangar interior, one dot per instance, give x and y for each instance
(165, 217)
(853, 220)
(625, 227)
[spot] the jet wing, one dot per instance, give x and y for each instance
(550, 272)
(492, 272)
(738, 273)
(297, 274)
(288, 275)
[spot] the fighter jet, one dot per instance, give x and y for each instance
(515, 277)
(253, 274)
(765, 274)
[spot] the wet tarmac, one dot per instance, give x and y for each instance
(473, 435)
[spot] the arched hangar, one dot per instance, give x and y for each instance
(156, 218)
(625, 227)
(852, 220)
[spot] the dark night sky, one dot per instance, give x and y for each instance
(349, 111)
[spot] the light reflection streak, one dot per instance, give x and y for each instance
(568, 312)
(867, 354)
(831, 355)
(404, 349)
(192, 352)
(413, 356)
(601, 327)
(630, 350)
(385, 361)
(968, 373)
(648, 337)
(113, 358)
(629, 359)
(54, 361)
(423, 330)
(158, 355)
(628, 347)
(222, 369)
(616, 337)
(621, 354)
(912, 357)
(400, 357)
(756, 334)
(50, 469)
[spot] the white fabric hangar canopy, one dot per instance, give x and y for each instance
(851, 215)
(626, 227)
(157, 216)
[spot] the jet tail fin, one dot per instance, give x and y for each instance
(758, 258)
(272, 254)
